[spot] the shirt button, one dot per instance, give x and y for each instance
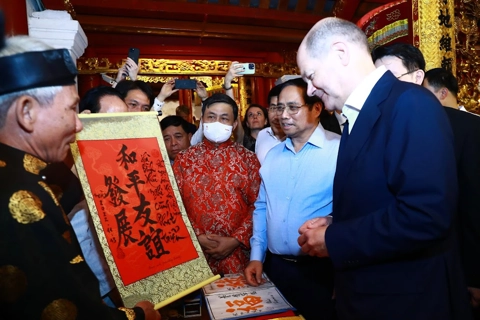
(288, 198)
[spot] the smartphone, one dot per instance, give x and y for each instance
(185, 84)
(248, 68)
(134, 54)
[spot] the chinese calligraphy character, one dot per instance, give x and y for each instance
(231, 282)
(148, 170)
(172, 235)
(114, 191)
(124, 228)
(135, 180)
(445, 19)
(143, 212)
(446, 43)
(152, 238)
(447, 63)
(125, 158)
(248, 304)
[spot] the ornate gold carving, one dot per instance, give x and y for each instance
(181, 67)
(154, 79)
(77, 259)
(394, 15)
(61, 309)
(2, 164)
(435, 27)
(242, 84)
(13, 283)
(69, 7)
(49, 191)
(467, 19)
(26, 207)
(33, 164)
(128, 312)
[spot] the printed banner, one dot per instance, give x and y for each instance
(137, 207)
(142, 226)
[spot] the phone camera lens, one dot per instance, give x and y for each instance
(251, 66)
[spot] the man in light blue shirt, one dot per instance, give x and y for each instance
(297, 182)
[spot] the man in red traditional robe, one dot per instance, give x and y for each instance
(219, 181)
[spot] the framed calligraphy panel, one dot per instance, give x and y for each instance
(142, 226)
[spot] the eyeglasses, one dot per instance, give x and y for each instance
(272, 108)
(291, 108)
(406, 73)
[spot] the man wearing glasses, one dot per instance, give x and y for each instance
(297, 181)
(273, 135)
(405, 61)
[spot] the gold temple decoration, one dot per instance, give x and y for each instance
(242, 84)
(152, 68)
(467, 19)
(70, 9)
(434, 33)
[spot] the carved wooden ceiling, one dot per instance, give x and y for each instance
(257, 24)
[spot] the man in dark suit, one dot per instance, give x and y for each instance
(395, 194)
(466, 131)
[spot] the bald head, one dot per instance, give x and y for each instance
(333, 59)
(328, 30)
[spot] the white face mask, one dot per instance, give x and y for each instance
(217, 132)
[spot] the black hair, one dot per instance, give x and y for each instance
(412, 58)
(175, 121)
(298, 82)
(439, 78)
(221, 98)
(247, 130)
(125, 86)
(274, 92)
(91, 99)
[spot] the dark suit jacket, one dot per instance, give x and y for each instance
(466, 131)
(395, 195)
(329, 122)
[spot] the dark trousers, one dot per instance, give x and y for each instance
(306, 282)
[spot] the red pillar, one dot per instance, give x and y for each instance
(89, 81)
(15, 12)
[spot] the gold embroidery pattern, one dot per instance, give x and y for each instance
(3, 164)
(49, 191)
(32, 164)
(25, 207)
(13, 283)
(76, 260)
(61, 309)
(57, 191)
(129, 313)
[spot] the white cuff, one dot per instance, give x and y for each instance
(157, 105)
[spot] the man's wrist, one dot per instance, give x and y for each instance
(226, 88)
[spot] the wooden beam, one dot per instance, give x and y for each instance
(183, 28)
(264, 4)
(301, 6)
(150, 8)
(346, 10)
(283, 5)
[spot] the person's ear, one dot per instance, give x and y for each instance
(342, 51)
(317, 109)
(26, 110)
(234, 125)
(443, 93)
(189, 135)
(419, 75)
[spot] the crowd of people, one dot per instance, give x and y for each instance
(355, 190)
